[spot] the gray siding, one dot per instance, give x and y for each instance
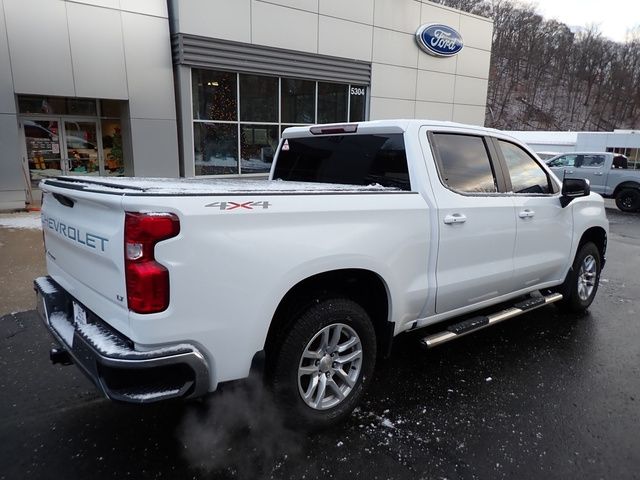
(108, 49)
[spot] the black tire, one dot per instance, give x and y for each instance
(575, 287)
(628, 199)
(287, 382)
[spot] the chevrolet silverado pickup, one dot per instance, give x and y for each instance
(160, 289)
(608, 173)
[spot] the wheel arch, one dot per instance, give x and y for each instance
(598, 236)
(624, 185)
(365, 287)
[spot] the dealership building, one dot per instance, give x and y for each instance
(204, 88)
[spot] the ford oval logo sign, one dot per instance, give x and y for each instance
(439, 40)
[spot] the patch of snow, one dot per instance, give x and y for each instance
(171, 186)
(46, 286)
(63, 326)
(21, 221)
(109, 344)
(387, 423)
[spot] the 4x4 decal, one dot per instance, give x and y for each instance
(239, 206)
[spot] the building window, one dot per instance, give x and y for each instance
(258, 144)
(214, 95)
(298, 101)
(57, 105)
(632, 154)
(238, 118)
(71, 136)
(357, 103)
(258, 98)
(332, 102)
(216, 148)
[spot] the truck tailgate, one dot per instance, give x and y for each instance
(84, 242)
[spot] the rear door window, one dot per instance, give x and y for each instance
(463, 163)
(526, 175)
(362, 159)
(590, 161)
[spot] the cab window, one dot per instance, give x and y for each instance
(527, 176)
(563, 161)
(590, 161)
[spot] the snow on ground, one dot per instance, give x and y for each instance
(29, 220)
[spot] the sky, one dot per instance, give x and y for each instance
(614, 17)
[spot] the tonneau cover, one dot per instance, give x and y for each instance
(193, 186)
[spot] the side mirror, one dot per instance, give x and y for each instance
(574, 188)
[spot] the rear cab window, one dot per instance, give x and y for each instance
(352, 159)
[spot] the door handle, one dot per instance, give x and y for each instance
(599, 173)
(455, 218)
(526, 213)
(569, 171)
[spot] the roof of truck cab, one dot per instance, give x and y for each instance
(400, 125)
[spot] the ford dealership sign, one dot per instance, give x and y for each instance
(439, 40)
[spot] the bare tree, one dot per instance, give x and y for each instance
(543, 75)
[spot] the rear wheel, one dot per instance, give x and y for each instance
(324, 363)
(580, 287)
(628, 199)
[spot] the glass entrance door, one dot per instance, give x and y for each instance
(81, 148)
(43, 148)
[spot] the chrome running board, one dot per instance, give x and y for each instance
(457, 330)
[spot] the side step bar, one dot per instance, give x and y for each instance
(474, 324)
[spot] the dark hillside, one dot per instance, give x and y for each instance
(546, 77)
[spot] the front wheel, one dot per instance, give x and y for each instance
(580, 287)
(628, 199)
(324, 363)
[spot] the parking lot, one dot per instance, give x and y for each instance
(541, 396)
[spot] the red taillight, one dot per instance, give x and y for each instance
(147, 280)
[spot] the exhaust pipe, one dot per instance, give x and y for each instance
(61, 356)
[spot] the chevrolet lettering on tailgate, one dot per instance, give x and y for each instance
(75, 234)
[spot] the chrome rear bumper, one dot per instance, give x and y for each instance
(111, 360)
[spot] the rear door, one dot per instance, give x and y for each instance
(544, 229)
(476, 222)
(592, 167)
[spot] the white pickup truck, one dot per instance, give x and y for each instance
(608, 173)
(161, 289)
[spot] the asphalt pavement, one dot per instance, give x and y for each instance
(540, 396)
